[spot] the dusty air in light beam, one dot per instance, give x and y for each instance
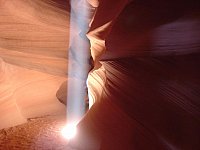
(78, 49)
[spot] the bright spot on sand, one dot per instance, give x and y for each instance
(69, 131)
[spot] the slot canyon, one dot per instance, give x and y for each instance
(134, 65)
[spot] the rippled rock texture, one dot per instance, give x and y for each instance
(145, 85)
(33, 58)
(144, 89)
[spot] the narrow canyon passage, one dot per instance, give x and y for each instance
(142, 58)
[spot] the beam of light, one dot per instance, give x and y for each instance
(78, 65)
(69, 131)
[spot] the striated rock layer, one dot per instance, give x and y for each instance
(33, 58)
(34, 34)
(26, 93)
(145, 94)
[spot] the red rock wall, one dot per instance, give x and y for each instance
(148, 90)
(33, 58)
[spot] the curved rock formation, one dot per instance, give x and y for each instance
(62, 92)
(34, 34)
(26, 94)
(144, 89)
(146, 93)
(33, 53)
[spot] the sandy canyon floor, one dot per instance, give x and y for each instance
(38, 133)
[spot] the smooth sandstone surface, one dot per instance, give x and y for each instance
(34, 35)
(33, 58)
(27, 94)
